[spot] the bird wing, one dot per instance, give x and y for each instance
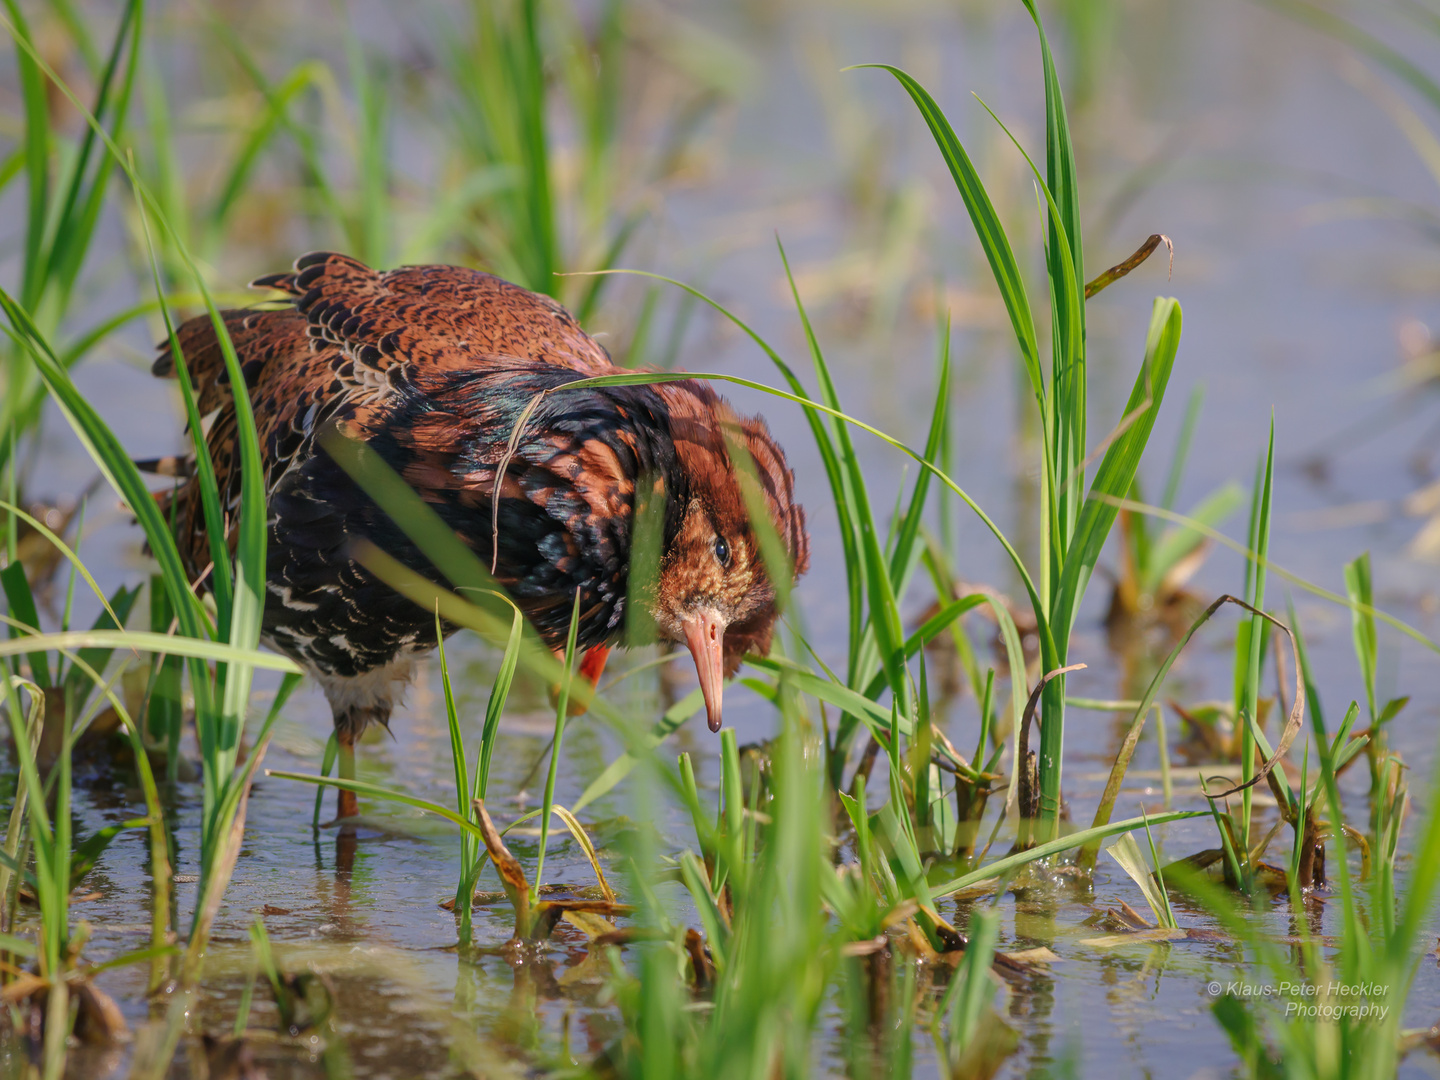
(568, 472)
(428, 318)
(349, 337)
(290, 385)
(562, 523)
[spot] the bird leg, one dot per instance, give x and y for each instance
(348, 803)
(351, 720)
(592, 666)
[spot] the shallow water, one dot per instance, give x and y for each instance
(1221, 125)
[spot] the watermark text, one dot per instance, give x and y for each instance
(1331, 1000)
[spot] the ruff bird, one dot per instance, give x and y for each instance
(431, 367)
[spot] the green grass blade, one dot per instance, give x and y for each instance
(77, 684)
(221, 574)
(495, 707)
(1142, 707)
(37, 155)
(1421, 886)
(621, 767)
(905, 554)
(50, 891)
(327, 762)
(305, 141)
(971, 989)
(79, 210)
(993, 240)
(774, 556)
(1002, 867)
(465, 888)
(1359, 585)
(372, 229)
(1126, 853)
(1064, 408)
(113, 462)
(832, 452)
(377, 791)
(1121, 461)
(1248, 704)
(219, 736)
(22, 610)
(1302, 655)
(562, 708)
(63, 548)
(145, 641)
(1060, 171)
(436, 541)
(452, 721)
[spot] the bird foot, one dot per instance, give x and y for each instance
(347, 806)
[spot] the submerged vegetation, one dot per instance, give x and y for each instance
(831, 900)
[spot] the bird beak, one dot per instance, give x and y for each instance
(705, 635)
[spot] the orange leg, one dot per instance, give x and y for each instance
(348, 804)
(592, 666)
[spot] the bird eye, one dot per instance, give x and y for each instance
(722, 551)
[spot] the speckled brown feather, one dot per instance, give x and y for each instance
(435, 317)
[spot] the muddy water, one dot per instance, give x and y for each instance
(1221, 125)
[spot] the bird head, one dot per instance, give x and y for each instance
(713, 591)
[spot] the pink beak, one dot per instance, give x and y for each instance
(705, 636)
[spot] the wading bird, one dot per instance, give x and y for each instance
(432, 367)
